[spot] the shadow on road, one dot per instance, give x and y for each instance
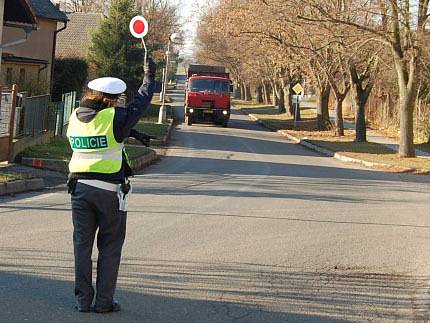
(236, 143)
(229, 167)
(234, 123)
(155, 290)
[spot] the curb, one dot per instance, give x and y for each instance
(58, 165)
(144, 161)
(62, 166)
(328, 152)
(166, 137)
(20, 186)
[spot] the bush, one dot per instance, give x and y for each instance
(33, 87)
(70, 74)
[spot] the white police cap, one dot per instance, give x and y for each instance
(109, 85)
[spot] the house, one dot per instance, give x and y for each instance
(17, 14)
(30, 64)
(79, 28)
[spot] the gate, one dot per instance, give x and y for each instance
(7, 116)
(69, 100)
(35, 115)
(63, 110)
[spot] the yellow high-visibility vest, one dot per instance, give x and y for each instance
(95, 149)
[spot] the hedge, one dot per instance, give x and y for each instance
(70, 74)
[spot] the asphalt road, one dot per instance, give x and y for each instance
(235, 225)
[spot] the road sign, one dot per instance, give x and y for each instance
(139, 27)
(298, 89)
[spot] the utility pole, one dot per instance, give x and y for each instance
(162, 114)
(1, 28)
(175, 38)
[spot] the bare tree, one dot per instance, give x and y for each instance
(401, 26)
(84, 5)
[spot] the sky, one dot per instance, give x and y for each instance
(190, 18)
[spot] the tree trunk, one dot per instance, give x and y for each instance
(339, 118)
(236, 92)
(407, 99)
(248, 94)
(259, 93)
(323, 117)
(290, 101)
(360, 117)
(242, 91)
(266, 93)
(281, 99)
(407, 105)
(288, 98)
(275, 96)
(359, 99)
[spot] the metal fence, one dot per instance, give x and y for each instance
(5, 109)
(69, 100)
(62, 111)
(33, 117)
(36, 115)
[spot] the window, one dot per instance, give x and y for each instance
(9, 73)
(21, 76)
(209, 85)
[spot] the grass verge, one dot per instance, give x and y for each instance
(271, 116)
(59, 148)
(10, 177)
(153, 111)
(306, 129)
(137, 151)
(153, 129)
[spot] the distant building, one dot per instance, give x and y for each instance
(32, 61)
(75, 40)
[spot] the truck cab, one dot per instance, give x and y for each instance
(207, 95)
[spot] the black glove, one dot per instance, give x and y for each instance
(149, 69)
(142, 137)
(71, 184)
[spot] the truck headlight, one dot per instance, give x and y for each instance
(225, 112)
(191, 110)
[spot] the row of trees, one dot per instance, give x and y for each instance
(343, 48)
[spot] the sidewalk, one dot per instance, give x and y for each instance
(373, 136)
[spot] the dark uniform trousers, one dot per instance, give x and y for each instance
(92, 209)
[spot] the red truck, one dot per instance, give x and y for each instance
(207, 95)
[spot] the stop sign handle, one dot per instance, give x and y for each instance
(140, 33)
(146, 50)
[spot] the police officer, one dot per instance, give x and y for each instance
(99, 186)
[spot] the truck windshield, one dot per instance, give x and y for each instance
(215, 86)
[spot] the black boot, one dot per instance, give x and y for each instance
(114, 308)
